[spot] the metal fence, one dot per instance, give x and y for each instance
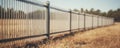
(20, 19)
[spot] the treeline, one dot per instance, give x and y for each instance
(10, 13)
(115, 14)
(111, 13)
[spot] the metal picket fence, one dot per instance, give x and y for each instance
(21, 19)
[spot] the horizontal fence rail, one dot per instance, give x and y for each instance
(21, 19)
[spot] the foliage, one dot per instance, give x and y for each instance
(10, 13)
(111, 13)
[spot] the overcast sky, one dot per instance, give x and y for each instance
(103, 5)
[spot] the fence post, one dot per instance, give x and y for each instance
(78, 22)
(48, 19)
(97, 21)
(70, 21)
(113, 20)
(101, 21)
(84, 22)
(92, 21)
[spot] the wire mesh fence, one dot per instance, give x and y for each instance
(25, 18)
(59, 21)
(20, 19)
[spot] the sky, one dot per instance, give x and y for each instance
(103, 5)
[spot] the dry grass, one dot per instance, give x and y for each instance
(106, 37)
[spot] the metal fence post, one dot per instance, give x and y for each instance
(84, 22)
(92, 21)
(113, 20)
(101, 21)
(78, 22)
(70, 21)
(97, 21)
(48, 19)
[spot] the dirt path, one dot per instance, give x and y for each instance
(105, 37)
